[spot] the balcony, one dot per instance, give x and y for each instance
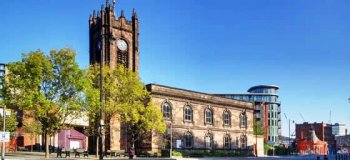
(258, 107)
(258, 116)
(279, 117)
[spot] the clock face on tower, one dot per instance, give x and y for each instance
(122, 45)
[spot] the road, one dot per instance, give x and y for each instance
(40, 155)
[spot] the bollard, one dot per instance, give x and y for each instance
(325, 157)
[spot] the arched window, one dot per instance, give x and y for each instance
(243, 142)
(188, 113)
(208, 140)
(208, 116)
(122, 58)
(188, 139)
(166, 110)
(243, 120)
(227, 141)
(227, 118)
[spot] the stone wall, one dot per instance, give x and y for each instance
(179, 98)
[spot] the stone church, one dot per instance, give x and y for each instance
(194, 120)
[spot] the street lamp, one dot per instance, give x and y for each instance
(4, 130)
(100, 47)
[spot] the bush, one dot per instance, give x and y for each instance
(176, 153)
(165, 153)
(206, 153)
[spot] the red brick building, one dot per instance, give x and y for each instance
(314, 138)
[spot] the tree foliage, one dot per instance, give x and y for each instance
(258, 127)
(10, 123)
(48, 87)
(125, 98)
(34, 128)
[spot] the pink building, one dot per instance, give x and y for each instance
(72, 139)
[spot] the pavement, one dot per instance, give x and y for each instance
(41, 155)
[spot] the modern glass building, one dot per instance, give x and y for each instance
(2, 74)
(267, 108)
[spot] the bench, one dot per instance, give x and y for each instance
(80, 151)
(120, 153)
(116, 153)
(59, 152)
(67, 152)
(151, 154)
(22, 148)
(110, 152)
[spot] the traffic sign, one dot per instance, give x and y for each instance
(4, 136)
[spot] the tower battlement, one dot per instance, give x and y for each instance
(116, 38)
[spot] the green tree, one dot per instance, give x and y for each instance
(10, 123)
(125, 98)
(34, 128)
(48, 87)
(258, 128)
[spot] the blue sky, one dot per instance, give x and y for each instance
(220, 46)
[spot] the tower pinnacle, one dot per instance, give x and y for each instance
(113, 5)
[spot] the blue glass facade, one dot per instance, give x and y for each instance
(266, 94)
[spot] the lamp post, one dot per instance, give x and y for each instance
(100, 47)
(256, 139)
(171, 139)
(256, 135)
(4, 129)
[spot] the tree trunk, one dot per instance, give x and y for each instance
(103, 141)
(31, 146)
(97, 141)
(47, 139)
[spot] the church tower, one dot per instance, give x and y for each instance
(116, 38)
(113, 41)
